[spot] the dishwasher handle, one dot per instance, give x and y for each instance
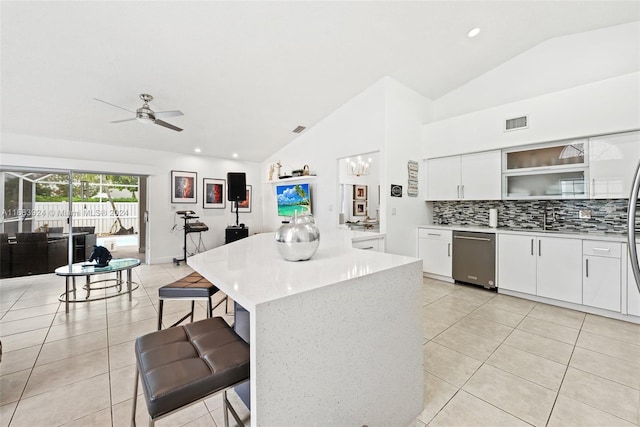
(483, 239)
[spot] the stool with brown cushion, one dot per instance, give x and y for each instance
(184, 365)
(192, 287)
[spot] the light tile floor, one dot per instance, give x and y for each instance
(490, 359)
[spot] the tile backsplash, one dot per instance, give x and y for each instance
(605, 215)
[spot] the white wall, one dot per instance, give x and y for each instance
(163, 244)
(387, 117)
(406, 111)
(355, 127)
(551, 66)
(606, 106)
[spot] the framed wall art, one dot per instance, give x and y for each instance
(183, 187)
(359, 192)
(359, 208)
(213, 193)
(245, 205)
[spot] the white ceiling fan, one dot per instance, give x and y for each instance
(145, 114)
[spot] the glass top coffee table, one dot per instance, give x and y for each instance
(87, 269)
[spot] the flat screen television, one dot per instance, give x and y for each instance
(293, 198)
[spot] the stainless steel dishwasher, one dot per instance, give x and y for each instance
(474, 258)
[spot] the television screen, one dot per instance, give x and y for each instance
(293, 198)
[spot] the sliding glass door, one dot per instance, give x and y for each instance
(66, 213)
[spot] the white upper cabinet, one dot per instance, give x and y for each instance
(443, 178)
(612, 162)
(475, 176)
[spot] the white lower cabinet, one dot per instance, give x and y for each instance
(434, 247)
(517, 263)
(543, 266)
(560, 269)
(601, 281)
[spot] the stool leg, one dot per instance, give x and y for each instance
(160, 314)
(209, 308)
(226, 407)
(135, 398)
(193, 305)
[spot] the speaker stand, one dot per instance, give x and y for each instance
(237, 215)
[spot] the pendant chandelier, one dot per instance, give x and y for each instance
(358, 166)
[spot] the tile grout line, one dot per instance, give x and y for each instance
(34, 361)
(564, 375)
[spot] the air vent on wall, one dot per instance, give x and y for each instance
(299, 129)
(516, 123)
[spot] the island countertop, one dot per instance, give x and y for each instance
(253, 272)
(335, 340)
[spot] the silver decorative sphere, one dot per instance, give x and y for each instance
(299, 239)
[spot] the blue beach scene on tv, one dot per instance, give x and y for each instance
(293, 199)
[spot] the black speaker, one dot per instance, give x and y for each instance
(236, 186)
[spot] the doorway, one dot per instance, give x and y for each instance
(104, 207)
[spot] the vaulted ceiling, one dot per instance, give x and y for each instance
(245, 74)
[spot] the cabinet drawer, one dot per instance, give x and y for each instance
(371, 244)
(434, 234)
(599, 248)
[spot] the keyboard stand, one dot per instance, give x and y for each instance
(186, 217)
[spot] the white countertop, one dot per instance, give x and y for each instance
(252, 272)
(593, 235)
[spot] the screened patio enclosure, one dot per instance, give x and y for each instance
(59, 204)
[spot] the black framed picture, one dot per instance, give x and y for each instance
(244, 205)
(213, 193)
(183, 187)
(359, 208)
(359, 192)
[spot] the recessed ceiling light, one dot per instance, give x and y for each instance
(474, 32)
(197, 150)
(234, 155)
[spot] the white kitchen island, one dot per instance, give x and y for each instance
(335, 340)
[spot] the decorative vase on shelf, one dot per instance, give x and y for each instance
(299, 239)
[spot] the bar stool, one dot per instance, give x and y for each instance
(184, 365)
(192, 287)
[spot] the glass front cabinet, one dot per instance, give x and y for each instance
(556, 170)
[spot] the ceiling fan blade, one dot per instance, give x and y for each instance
(120, 121)
(114, 105)
(167, 125)
(165, 114)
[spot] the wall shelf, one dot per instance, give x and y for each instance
(308, 178)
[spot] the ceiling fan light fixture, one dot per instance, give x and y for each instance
(144, 119)
(145, 114)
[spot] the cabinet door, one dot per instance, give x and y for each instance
(517, 263)
(601, 282)
(612, 161)
(443, 178)
(434, 247)
(481, 176)
(559, 269)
